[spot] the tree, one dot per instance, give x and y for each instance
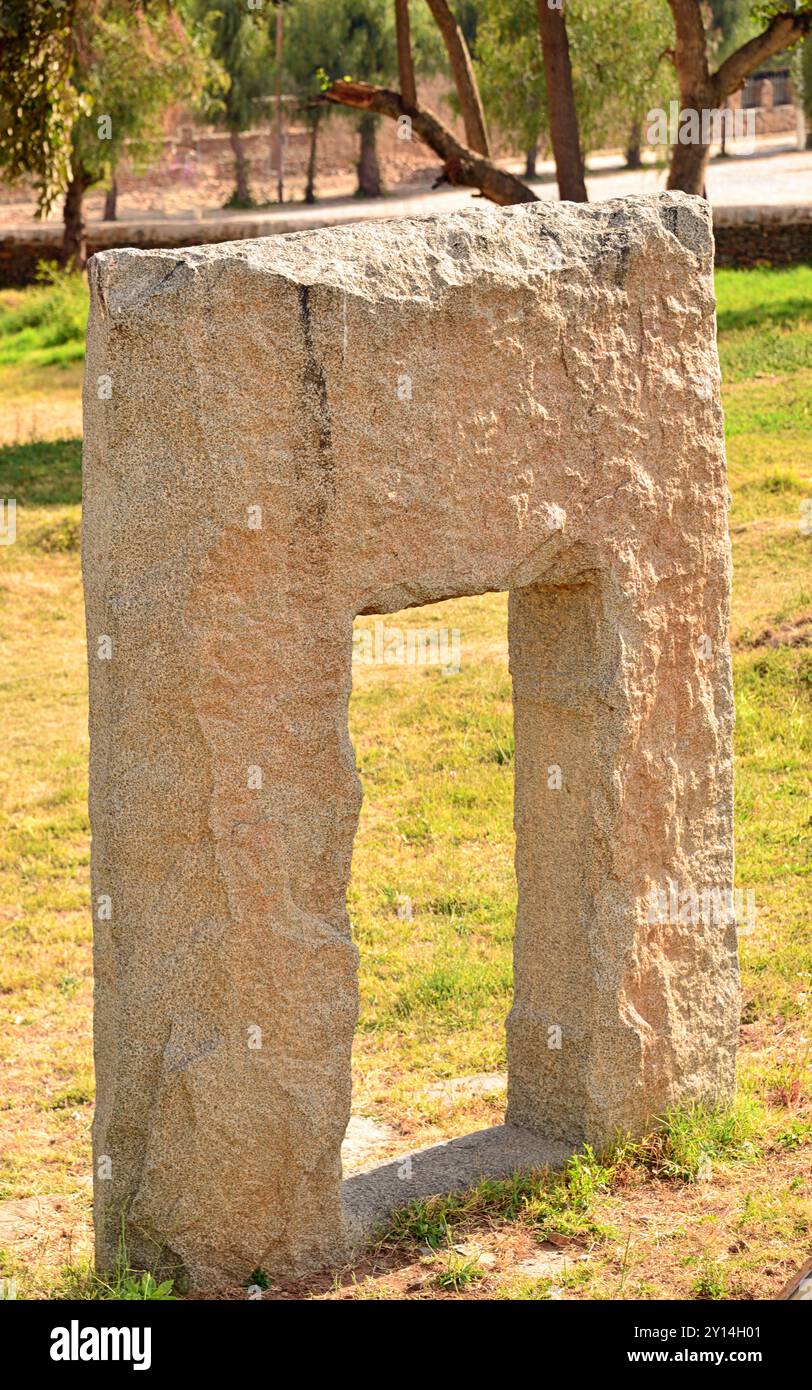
(241, 48)
(462, 165)
(357, 37)
(729, 24)
(131, 63)
(612, 95)
(100, 80)
(702, 91)
(369, 48)
(510, 72)
(473, 115)
(403, 37)
(313, 31)
(38, 102)
(806, 78)
(562, 115)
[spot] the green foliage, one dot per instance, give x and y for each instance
(121, 1283)
(459, 1273)
(38, 102)
(47, 473)
(548, 1203)
(618, 65)
(693, 1138)
(58, 537)
(765, 10)
(806, 80)
(124, 1284)
(510, 70)
(131, 64)
(241, 75)
(711, 1282)
(729, 24)
(612, 92)
(353, 39)
(78, 78)
(47, 325)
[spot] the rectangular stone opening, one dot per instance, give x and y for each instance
(432, 896)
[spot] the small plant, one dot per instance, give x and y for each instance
(123, 1282)
(586, 1177)
(792, 1079)
(140, 1285)
(459, 1273)
(425, 1221)
(794, 1136)
(258, 1279)
(84, 1282)
(59, 537)
(691, 1139)
(711, 1282)
(504, 746)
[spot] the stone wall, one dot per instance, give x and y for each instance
(745, 236)
(762, 235)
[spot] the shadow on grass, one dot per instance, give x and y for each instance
(44, 473)
(784, 313)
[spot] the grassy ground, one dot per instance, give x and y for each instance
(713, 1206)
(41, 359)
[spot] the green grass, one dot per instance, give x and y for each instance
(545, 1203)
(43, 475)
(433, 895)
(82, 1282)
(693, 1138)
(44, 326)
(765, 321)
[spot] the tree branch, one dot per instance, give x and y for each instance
(462, 166)
(783, 30)
(473, 115)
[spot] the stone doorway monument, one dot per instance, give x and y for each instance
(286, 433)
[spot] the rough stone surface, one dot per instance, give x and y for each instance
(524, 399)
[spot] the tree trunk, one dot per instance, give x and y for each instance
(701, 90)
(530, 162)
(569, 164)
(74, 236)
(688, 165)
(369, 173)
(408, 86)
(473, 115)
(462, 167)
(280, 127)
(310, 185)
(241, 197)
(111, 201)
(633, 157)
